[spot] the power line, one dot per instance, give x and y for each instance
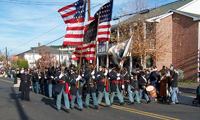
(55, 40)
(35, 3)
(37, 37)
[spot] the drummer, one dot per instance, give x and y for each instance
(142, 86)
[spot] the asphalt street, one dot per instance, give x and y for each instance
(44, 108)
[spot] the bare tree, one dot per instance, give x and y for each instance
(46, 60)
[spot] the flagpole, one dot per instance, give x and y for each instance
(88, 10)
(96, 43)
(106, 63)
(80, 62)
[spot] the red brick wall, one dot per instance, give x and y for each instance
(185, 45)
(164, 42)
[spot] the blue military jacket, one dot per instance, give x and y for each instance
(61, 85)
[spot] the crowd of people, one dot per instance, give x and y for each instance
(73, 83)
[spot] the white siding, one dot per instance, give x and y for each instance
(192, 7)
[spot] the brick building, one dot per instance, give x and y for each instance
(177, 26)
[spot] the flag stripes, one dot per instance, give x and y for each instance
(74, 18)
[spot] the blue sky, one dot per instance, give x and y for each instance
(24, 23)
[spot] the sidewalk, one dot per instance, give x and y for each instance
(187, 94)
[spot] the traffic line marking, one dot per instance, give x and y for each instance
(7, 81)
(142, 112)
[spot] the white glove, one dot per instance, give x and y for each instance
(93, 77)
(106, 71)
(39, 77)
(105, 74)
(118, 78)
(60, 76)
(69, 88)
(131, 77)
(122, 86)
(52, 77)
(92, 72)
(82, 75)
(45, 77)
(118, 75)
(79, 77)
(22, 71)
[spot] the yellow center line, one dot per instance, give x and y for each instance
(6, 81)
(142, 112)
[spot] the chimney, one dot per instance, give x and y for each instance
(39, 44)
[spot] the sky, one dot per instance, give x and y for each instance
(25, 23)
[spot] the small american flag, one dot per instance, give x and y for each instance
(74, 18)
(105, 14)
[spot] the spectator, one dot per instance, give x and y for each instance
(153, 76)
(174, 85)
(198, 93)
(163, 86)
(11, 73)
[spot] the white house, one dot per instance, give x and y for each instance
(33, 54)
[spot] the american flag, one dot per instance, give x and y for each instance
(89, 44)
(74, 18)
(104, 16)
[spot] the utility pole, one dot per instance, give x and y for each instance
(6, 59)
(88, 10)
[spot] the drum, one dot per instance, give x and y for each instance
(151, 91)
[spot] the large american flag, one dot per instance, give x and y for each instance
(89, 45)
(104, 16)
(74, 18)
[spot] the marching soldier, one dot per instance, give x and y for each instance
(76, 91)
(48, 85)
(103, 86)
(135, 88)
(46, 78)
(127, 80)
(62, 88)
(36, 80)
(115, 85)
(90, 87)
(142, 85)
(24, 85)
(41, 81)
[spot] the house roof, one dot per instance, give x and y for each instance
(43, 47)
(156, 11)
(195, 17)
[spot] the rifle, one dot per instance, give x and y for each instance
(93, 79)
(123, 82)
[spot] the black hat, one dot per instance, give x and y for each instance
(75, 69)
(127, 66)
(143, 73)
(134, 74)
(63, 64)
(52, 67)
(103, 66)
(115, 65)
(72, 65)
(46, 67)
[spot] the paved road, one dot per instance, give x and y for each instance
(43, 108)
